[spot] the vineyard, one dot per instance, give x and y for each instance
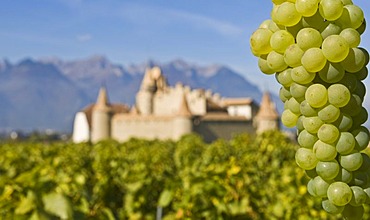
(245, 178)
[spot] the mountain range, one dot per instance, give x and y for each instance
(46, 93)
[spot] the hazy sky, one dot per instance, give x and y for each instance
(199, 31)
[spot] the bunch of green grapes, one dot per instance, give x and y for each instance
(312, 47)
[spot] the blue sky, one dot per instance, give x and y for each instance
(199, 31)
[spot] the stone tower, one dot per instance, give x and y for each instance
(144, 98)
(267, 117)
(101, 117)
(182, 124)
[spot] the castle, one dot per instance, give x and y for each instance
(164, 112)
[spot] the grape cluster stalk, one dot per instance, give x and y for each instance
(312, 48)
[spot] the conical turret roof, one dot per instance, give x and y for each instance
(102, 102)
(267, 108)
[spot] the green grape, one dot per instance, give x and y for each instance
(339, 193)
(355, 60)
(313, 60)
(307, 110)
(320, 187)
(330, 29)
(285, 77)
(301, 75)
(344, 176)
(260, 41)
(265, 24)
(294, 106)
(284, 94)
(299, 124)
(365, 167)
(324, 151)
(312, 124)
(338, 95)
(352, 17)
(310, 188)
(278, 2)
(354, 106)
(286, 14)
(362, 74)
(276, 61)
(367, 55)
(327, 170)
(298, 91)
(306, 139)
(308, 38)
(288, 118)
(344, 122)
(350, 81)
(353, 212)
(362, 28)
(359, 196)
(367, 191)
(351, 162)
(362, 138)
(352, 37)
(305, 158)
(328, 133)
(307, 8)
(347, 2)
(316, 21)
(316, 95)
(360, 178)
(264, 67)
(329, 113)
(280, 40)
(360, 118)
(332, 72)
(331, 208)
(346, 143)
(294, 29)
(293, 55)
(311, 173)
(331, 10)
(275, 27)
(360, 90)
(335, 48)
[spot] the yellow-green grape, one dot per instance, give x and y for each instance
(347, 2)
(295, 29)
(324, 151)
(260, 41)
(330, 29)
(301, 75)
(339, 193)
(331, 10)
(294, 106)
(344, 122)
(264, 67)
(352, 17)
(327, 170)
(360, 178)
(308, 38)
(275, 27)
(305, 158)
(346, 143)
(353, 212)
(307, 110)
(299, 124)
(367, 55)
(362, 74)
(312, 124)
(286, 14)
(276, 61)
(278, 2)
(288, 118)
(265, 24)
(335, 48)
(365, 167)
(285, 77)
(328, 133)
(298, 91)
(338, 95)
(316, 95)
(307, 8)
(351, 162)
(313, 60)
(354, 61)
(332, 72)
(329, 113)
(293, 55)
(360, 118)
(316, 21)
(362, 28)
(306, 139)
(361, 137)
(354, 106)
(359, 196)
(329, 207)
(352, 37)
(350, 81)
(284, 94)
(280, 40)
(344, 176)
(360, 90)
(320, 187)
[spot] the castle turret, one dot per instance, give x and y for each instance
(267, 117)
(182, 124)
(144, 98)
(101, 117)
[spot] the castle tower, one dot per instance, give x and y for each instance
(182, 124)
(101, 117)
(144, 98)
(267, 117)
